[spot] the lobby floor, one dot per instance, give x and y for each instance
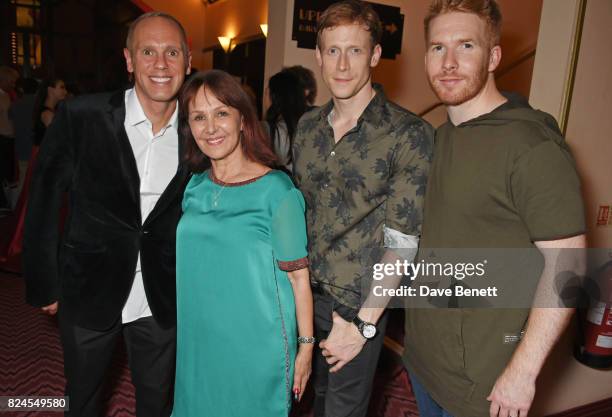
(31, 363)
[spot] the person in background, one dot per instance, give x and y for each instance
(308, 82)
(50, 92)
(287, 105)
(8, 79)
(502, 177)
(21, 115)
(48, 95)
(242, 266)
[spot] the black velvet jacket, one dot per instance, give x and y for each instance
(90, 268)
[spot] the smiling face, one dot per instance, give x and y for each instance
(216, 127)
(459, 59)
(156, 60)
(346, 59)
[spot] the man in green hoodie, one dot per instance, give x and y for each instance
(502, 177)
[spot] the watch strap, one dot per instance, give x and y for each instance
(361, 324)
(358, 322)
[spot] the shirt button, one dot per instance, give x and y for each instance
(333, 153)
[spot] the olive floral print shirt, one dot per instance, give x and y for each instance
(361, 191)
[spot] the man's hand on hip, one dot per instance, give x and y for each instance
(343, 343)
(51, 309)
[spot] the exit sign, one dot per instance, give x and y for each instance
(603, 216)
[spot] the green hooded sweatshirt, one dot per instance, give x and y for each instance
(503, 180)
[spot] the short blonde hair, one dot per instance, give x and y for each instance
(350, 12)
(488, 10)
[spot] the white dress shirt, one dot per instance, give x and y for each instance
(157, 161)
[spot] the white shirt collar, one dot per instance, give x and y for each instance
(134, 113)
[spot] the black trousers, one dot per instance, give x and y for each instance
(87, 358)
(345, 393)
(7, 166)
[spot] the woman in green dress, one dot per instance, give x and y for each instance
(243, 292)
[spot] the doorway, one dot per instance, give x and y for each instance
(246, 61)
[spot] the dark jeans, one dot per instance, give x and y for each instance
(345, 393)
(87, 358)
(428, 407)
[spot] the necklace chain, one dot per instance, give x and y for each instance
(217, 195)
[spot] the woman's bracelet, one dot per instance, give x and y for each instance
(306, 339)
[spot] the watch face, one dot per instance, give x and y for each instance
(369, 331)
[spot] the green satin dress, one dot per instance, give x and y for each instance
(236, 324)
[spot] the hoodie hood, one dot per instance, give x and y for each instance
(517, 108)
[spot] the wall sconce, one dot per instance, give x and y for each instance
(226, 43)
(264, 29)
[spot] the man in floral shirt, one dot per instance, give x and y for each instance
(362, 164)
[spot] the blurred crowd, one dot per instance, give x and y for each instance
(27, 107)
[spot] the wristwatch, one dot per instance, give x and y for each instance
(367, 330)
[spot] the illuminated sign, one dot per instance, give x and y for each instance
(306, 13)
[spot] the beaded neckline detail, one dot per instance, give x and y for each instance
(234, 184)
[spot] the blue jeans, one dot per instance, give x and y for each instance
(428, 407)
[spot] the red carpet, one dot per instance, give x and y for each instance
(31, 364)
(31, 355)
(12, 262)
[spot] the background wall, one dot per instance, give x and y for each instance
(234, 18)
(564, 382)
(238, 19)
(404, 78)
(191, 15)
(589, 124)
